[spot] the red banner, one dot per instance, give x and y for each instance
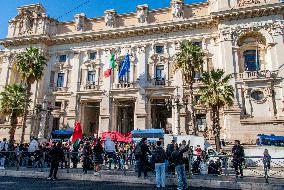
(117, 136)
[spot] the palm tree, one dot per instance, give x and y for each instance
(190, 61)
(12, 104)
(215, 95)
(30, 65)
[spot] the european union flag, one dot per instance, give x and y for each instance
(125, 66)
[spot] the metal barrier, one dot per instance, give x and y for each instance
(251, 166)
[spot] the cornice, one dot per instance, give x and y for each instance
(248, 12)
(115, 33)
(209, 21)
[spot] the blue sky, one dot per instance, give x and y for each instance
(57, 8)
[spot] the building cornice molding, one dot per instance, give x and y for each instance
(173, 26)
(209, 21)
(248, 12)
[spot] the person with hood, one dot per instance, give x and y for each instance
(238, 158)
(159, 158)
(110, 150)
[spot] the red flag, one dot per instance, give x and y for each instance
(107, 73)
(77, 133)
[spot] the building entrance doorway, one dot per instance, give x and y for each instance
(90, 118)
(125, 116)
(161, 115)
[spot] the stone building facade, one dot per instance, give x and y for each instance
(242, 37)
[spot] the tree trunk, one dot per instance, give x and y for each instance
(216, 124)
(27, 103)
(13, 123)
(191, 107)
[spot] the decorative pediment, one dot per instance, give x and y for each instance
(159, 58)
(90, 64)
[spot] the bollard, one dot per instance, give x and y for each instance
(265, 172)
(226, 165)
(68, 161)
(42, 162)
(189, 165)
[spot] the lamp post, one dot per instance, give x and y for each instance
(177, 104)
(44, 111)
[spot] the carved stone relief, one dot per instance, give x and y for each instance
(142, 13)
(177, 8)
(274, 28)
(80, 21)
(110, 17)
(249, 2)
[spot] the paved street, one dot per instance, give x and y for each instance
(12, 183)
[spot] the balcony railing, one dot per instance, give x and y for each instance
(123, 85)
(92, 86)
(263, 74)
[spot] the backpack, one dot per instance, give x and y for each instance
(138, 150)
(159, 156)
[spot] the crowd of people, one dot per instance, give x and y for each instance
(143, 156)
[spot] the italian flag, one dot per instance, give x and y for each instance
(110, 66)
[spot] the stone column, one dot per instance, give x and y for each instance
(42, 124)
(5, 73)
(105, 120)
(140, 113)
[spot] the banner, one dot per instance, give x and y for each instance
(117, 136)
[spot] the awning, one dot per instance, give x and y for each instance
(62, 134)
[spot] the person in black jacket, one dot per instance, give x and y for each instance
(86, 154)
(179, 165)
(56, 155)
(159, 157)
(98, 151)
(238, 158)
(141, 154)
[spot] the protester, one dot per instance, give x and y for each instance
(86, 157)
(179, 166)
(141, 155)
(198, 150)
(238, 158)
(169, 151)
(266, 159)
(98, 156)
(56, 154)
(159, 158)
(110, 151)
(3, 152)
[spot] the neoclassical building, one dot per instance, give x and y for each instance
(242, 37)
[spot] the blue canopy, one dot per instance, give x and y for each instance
(152, 135)
(61, 133)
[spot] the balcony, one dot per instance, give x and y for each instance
(123, 85)
(253, 75)
(91, 86)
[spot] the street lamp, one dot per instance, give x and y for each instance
(177, 104)
(44, 111)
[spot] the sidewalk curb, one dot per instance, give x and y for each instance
(210, 183)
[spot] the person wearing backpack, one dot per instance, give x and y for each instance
(159, 158)
(141, 155)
